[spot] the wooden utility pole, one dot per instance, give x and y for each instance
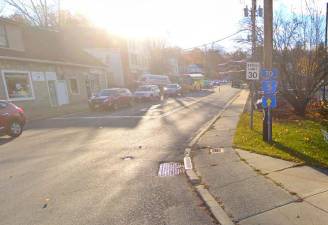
(253, 18)
(326, 34)
(59, 13)
(268, 46)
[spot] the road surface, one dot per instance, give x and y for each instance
(71, 170)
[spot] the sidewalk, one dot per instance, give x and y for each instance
(246, 184)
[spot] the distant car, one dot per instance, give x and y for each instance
(152, 79)
(111, 98)
(147, 92)
(208, 84)
(236, 84)
(216, 83)
(172, 90)
(12, 119)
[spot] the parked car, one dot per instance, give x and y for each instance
(12, 119)
(152, 79)
(111, 98)
(147, 92)
(172, 90)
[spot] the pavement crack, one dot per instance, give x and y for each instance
(319, 193)
(239, 181)
(317, 207)
(267, 210)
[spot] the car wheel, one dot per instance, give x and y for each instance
(15, 129)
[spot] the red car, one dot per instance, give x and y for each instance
(111, 98)
(12, 119)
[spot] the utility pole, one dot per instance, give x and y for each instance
(59, 13)
(268, 46)
(46, 13)
(253, 18)
(326, 34)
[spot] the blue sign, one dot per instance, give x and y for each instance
(269, 74)
(269, 101)
(269, 86)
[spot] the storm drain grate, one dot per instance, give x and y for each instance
(127, 157)
(170, 169)
(216, 150)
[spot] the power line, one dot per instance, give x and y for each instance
(213, 42)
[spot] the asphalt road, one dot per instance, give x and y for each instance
(69, 170)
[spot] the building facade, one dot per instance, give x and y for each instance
(39, 70)
(113, 60)
(138, 59)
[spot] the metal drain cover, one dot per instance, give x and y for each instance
(170, 169)
(216, 150)
(127, 157)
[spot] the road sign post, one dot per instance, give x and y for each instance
(252, 74)
(269, 100)
(253, 71)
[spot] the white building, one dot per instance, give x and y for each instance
(138, 55)
(113, 60)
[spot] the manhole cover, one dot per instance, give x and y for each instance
(127, 157)
(216, 150)
(170, 169)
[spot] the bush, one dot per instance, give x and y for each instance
(324, 108)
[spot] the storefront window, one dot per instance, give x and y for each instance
(19, 86)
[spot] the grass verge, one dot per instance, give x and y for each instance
(299, 140)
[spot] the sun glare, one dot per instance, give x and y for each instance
(181, 22)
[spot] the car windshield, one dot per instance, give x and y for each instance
(107, 92)
(144, 88)
(172, 86)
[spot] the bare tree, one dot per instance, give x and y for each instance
(157, 49)
(300, 55)
(36, 12)
(245, 38)
(298, 52)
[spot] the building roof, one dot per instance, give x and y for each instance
(46, 45)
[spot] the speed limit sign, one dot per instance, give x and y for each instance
(253, 71)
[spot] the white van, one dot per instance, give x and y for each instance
(151, 79)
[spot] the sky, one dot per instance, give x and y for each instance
(184, 23)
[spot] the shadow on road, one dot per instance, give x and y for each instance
(5, 140)
(128, 117)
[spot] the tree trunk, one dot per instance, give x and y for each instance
(299, 105)
(300, 110)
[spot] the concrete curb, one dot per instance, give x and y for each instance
(208, 125)
(217, 211)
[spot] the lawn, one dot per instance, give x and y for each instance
(299, 140)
